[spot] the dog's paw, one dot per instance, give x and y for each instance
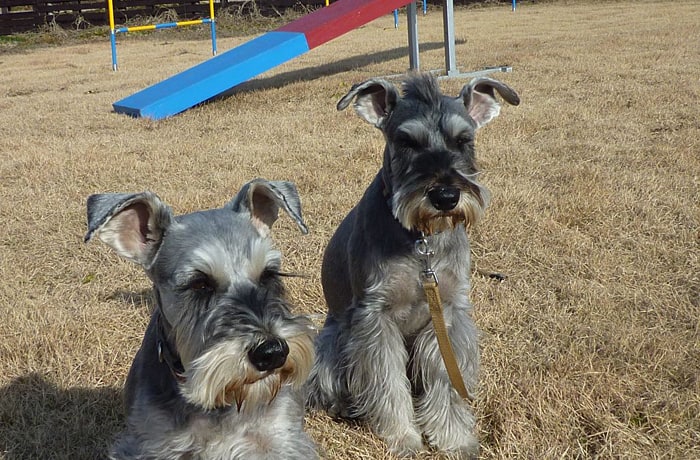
(464, 448)
(406, 445)
(469, 452)
(125, 448)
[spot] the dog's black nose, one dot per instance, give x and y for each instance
(269, 355)
(443, 198)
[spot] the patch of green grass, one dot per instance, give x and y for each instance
(12, 39)
(234, 21)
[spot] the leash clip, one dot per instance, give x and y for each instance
(425, 253)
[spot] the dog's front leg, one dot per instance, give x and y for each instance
(377, 357)
(324, 387)
(445, 418)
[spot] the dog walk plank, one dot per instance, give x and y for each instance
(214, 76)
(238, 65)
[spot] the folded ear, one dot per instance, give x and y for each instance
(131, 224)
(480, 100)
(262, 200)
(374, 100)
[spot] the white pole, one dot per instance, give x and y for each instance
(448, 19)
(412, 36)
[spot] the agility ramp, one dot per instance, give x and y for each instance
(238, 65)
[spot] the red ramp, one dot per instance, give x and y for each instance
(340, 17)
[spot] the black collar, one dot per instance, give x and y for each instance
(166, 353)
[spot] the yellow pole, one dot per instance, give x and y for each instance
(110, 7)
(189, 23)
(141, 28)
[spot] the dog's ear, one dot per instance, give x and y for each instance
(480, 100)
(374, 100)
(262, 200)
(131, 224)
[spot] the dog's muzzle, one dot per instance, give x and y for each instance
(269, 355)
(443, 198)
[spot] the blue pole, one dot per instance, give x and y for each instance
(213, 37)
(396, 19)
(425, 7)
(113, 41)
(514, 1)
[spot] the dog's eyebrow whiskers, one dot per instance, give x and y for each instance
(416, 130)
(456, 126)
(293, 275)
(471, 176)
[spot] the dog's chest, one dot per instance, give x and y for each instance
(403, 292)
(237, 436)
(228, 438)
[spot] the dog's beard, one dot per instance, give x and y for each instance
(223, 376)
(415, 212)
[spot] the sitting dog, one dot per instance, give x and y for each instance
(219, 372)
(377, 357)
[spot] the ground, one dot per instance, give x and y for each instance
(590, 349)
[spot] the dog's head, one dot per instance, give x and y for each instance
(430, 171)
(218, 286)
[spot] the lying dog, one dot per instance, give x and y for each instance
(222, 361)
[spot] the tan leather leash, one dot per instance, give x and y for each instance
(432, 293)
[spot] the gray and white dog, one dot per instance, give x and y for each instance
(377, 358)
(223, 360)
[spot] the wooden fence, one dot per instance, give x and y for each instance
(28, 15)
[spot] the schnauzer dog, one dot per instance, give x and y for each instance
(223, 360)
(377, 356)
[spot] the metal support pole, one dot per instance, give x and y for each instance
(451, 70)
(412, 36)
(448, 19)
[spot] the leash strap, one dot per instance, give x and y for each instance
(446, 350)
(432, 293)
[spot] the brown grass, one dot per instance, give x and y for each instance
(591, 349)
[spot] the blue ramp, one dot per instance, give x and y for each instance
(214, 76)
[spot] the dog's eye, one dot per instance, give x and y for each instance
(201, 285)
(464, 141)
(405, 141)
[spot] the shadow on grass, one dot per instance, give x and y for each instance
(140, 299)
(332, 68)
(38, 420)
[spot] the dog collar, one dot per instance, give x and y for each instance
(165, 352)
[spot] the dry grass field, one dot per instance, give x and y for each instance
(590, 349)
